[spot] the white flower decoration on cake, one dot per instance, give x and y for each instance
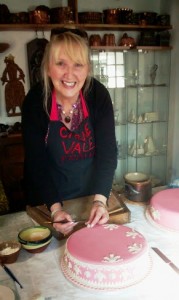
(132, 234)
(110, 226)
(69, 265)
(99, 276)
(112, 276)
(124, 275)
(65, 258)
(112, 258)
(155, 213)
(87, 274)
(135, 248)
(77, 270)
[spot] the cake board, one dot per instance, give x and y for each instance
(80, 208)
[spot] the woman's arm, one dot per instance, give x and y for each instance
(39, 187)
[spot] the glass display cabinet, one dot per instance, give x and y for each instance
(138, 82)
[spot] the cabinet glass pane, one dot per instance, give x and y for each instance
(112, 65)
(147, 98)
(131, 68)
(138, 82)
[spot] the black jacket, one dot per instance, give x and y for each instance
(39, 186)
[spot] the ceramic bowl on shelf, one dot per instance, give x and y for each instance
(35, 239)
(9, 251)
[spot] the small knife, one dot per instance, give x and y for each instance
(166, 259)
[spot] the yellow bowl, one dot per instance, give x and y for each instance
(35, 238)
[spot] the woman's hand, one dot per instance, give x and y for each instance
(65, 225)
(98, 215)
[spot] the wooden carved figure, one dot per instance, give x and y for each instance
(14, 88)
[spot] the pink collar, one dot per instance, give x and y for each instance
(54, 111)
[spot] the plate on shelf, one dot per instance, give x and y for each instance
(6, 293)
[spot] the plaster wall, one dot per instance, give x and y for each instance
(19, 39)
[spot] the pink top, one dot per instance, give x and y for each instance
(54, 110)
(109, 243)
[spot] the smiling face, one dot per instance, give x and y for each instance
(68, 69)
(67, 76)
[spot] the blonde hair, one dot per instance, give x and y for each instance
(76, 48)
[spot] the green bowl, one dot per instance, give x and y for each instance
(34, 236)
(36, 248)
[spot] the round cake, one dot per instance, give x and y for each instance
(163, 209)
(106, 257)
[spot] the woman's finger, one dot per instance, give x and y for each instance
(98, 215)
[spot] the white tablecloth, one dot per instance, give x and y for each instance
(40, 274)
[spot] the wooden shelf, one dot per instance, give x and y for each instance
(97, 27)
(122, 48)
(108, 48)
(146, 85)
(152, 48)
(123, 27)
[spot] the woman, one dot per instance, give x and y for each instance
(69, 133)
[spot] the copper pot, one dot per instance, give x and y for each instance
(95, 40)
(90, 17)
(60, 15)
(111, 16)
(125, 16)
(138, 187)
(127, 41)
(109, 39)
(40, 15)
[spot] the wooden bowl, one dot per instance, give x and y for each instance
(9, 251)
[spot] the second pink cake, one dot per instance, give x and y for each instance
(163, 210)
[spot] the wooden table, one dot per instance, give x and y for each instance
(40, 274)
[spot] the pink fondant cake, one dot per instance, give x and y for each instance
(106, 257)
(163, 209)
